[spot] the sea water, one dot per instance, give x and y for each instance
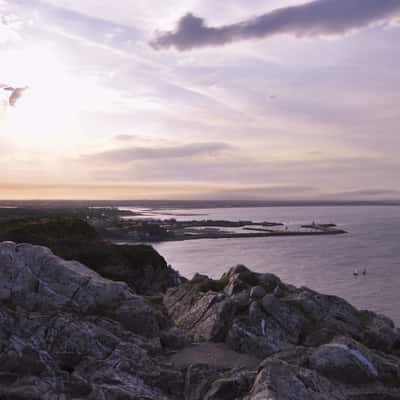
(323, 263)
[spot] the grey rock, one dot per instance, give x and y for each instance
(235, 285)
(67, 333)
(290, 318)
(279, 380)
(384, 367)
(35, 279)
(328, 311)
(379, 332)
(257, 292)
(279, 291)
(259, 339)
(173, 338)
(340, 362)
(139, 317)
(241, 299)
(233, 385)
(269, 282)
(203, 317)
(198, 379)
(209, 318)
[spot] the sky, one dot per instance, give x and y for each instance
(198, 99)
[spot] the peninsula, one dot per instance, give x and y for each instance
(125, 226)
(156, 230)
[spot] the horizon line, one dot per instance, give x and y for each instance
(237, 201)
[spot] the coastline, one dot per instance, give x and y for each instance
(238, 236)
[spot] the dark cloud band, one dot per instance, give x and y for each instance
(320, 17)
(136, 153)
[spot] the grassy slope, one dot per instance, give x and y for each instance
(73, 239)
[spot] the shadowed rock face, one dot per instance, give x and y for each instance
(68, 333)
(314, 346)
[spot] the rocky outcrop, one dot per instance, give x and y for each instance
(68, 333)
(257, 313)
(313, 346)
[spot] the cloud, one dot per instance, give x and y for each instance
(125, 138)
(137, 191)
(136, 153)
(237, 166)
(181, 191)
(10, 25)
(320, 17)
(380, 194)
(77, 26)
(262, 192)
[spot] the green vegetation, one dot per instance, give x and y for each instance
(205, 284)
(47, 230)
(74, 239)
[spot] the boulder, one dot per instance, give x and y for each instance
(233, 385)
(209, 318)
(328, 312)
(278, 380)
(257, 292)
(342, 363)
(207, 382)
(292, 320)
(262, 339)
(380, 333)
(242, 300)
(349, 354)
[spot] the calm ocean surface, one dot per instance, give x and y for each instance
(323, 263)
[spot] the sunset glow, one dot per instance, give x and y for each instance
(312, 104)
